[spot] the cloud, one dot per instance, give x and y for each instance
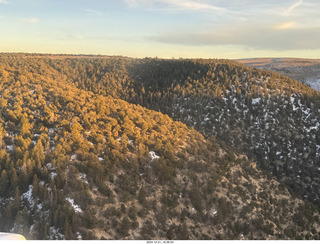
(30, 20)
(285, 26)
(193, 5)
(259, 38)
(3, 1)
(177, 5)
(93, 11)
(132, 2)
(292, 7)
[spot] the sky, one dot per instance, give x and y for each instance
(163, 28)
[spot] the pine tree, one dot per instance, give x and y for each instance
(4, 183)
(67, 230)
(16, 201)
(35, 187)
(25, 126)
(38, 155)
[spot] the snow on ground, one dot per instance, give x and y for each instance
(76, 207)
(79, 237)
(234, 100)
(73, 157)
(316, 127)
(292, 99)
(39, 206)
(49, 166)
(53, 174)
(31, 229)
(256, 100)
(153, 155)
(55, 234)
(10, 147)
(28, 196)
(83, 177)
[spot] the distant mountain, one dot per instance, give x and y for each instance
(306, 71)
(79, 162)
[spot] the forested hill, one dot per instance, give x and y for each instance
(79, 164)
(271, 118)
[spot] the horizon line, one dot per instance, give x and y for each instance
(155, 57)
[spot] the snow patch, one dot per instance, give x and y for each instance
(55, 234)
(10, 147)
(53, 174)
(28, 196)
(153, 155)
(76, 207)
(31, 229)
(316, 127)
(79, 236)
(83, 177)
(256, 100)
(73, 157)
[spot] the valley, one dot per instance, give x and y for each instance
(306, 71)
(107, 147)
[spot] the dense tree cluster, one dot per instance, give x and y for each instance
(271, 118)
(79, 162)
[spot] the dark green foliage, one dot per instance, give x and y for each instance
(4, 183)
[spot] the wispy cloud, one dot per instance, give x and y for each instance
(289, 10)
(193, 5)
(30, 20)
(177, 5)
(93, 11)
(262, 38)
(285, 26)
(3, 1)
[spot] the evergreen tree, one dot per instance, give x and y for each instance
(4, 183)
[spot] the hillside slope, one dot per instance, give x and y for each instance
(270, 118)
(78, 165)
